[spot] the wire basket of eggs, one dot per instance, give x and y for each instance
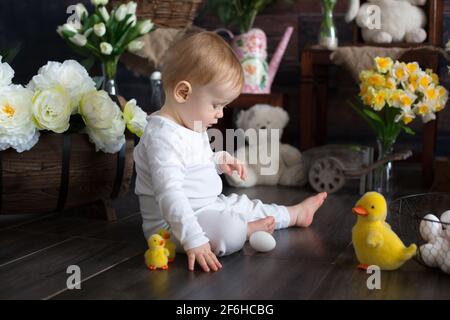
(424, 219)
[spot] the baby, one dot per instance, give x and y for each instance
(178, 180)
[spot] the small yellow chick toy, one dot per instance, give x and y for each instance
(156, 255)
(374, 241)
(169, 244)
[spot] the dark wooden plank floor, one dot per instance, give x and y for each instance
(317, 262)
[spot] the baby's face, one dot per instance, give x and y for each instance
(206, 104)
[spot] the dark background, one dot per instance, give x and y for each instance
(33, 23)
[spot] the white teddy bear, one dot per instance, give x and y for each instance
(401, 20)
(436, 253)
(272, 162)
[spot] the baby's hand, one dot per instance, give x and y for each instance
(204, 257)
(228, 164)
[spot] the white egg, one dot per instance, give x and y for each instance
(445, 219)
(427, 256)
(445, 216)
(430, 228)
(262, 241)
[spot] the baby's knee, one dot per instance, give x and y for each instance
(227, 233)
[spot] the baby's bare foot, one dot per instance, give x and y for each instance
(302, 214)
(266, 224)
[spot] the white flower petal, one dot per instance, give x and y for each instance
(6, 73)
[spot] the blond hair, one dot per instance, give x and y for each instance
(201, 58)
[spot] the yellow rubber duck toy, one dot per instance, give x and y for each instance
(374, 241)
(156, 255)
(169, 244)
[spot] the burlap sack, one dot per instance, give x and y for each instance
(156, 43)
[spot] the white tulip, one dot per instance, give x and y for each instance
(88, 32)
(99, 2)
(104, 13)
(72, 28)
(131, 7)
(133, 20)
(79, 40)
(135, 118)
(121, 12)
(135, 45)
(51, 109)
(6, 73)
(106, 48)
(80, 11)
(100, 29)
(70, 75)
(17, 129)
(145, 26)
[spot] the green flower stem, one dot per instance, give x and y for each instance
(110, 67)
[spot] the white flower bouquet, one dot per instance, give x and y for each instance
(105, 35)
(54, 99)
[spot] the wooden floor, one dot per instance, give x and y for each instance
(313, 263)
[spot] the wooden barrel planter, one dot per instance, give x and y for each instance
(63, 171)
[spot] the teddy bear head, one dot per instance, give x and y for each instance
(262, 116)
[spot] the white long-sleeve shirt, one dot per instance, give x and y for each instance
(176, 167)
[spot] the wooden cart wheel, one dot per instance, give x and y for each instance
(326, 174)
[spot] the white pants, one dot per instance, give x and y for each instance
(224, 221)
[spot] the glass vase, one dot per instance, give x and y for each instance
(328, 33)
(383, 179)
(156, 91)
(109, 69)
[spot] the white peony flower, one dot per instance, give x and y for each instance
(100, 29)
(6, 73)
(145, 27)
(121, 12)
(106, 48)
(98, 110)
(17, 129)
(108, 140)
(135, 45)
(79, 40)
(104, 122)
(51, 109)
(70, 75)
(99, 2)
(135, 118)
(104, 13)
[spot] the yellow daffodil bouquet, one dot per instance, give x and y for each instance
(103, 34)
(392, 94)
